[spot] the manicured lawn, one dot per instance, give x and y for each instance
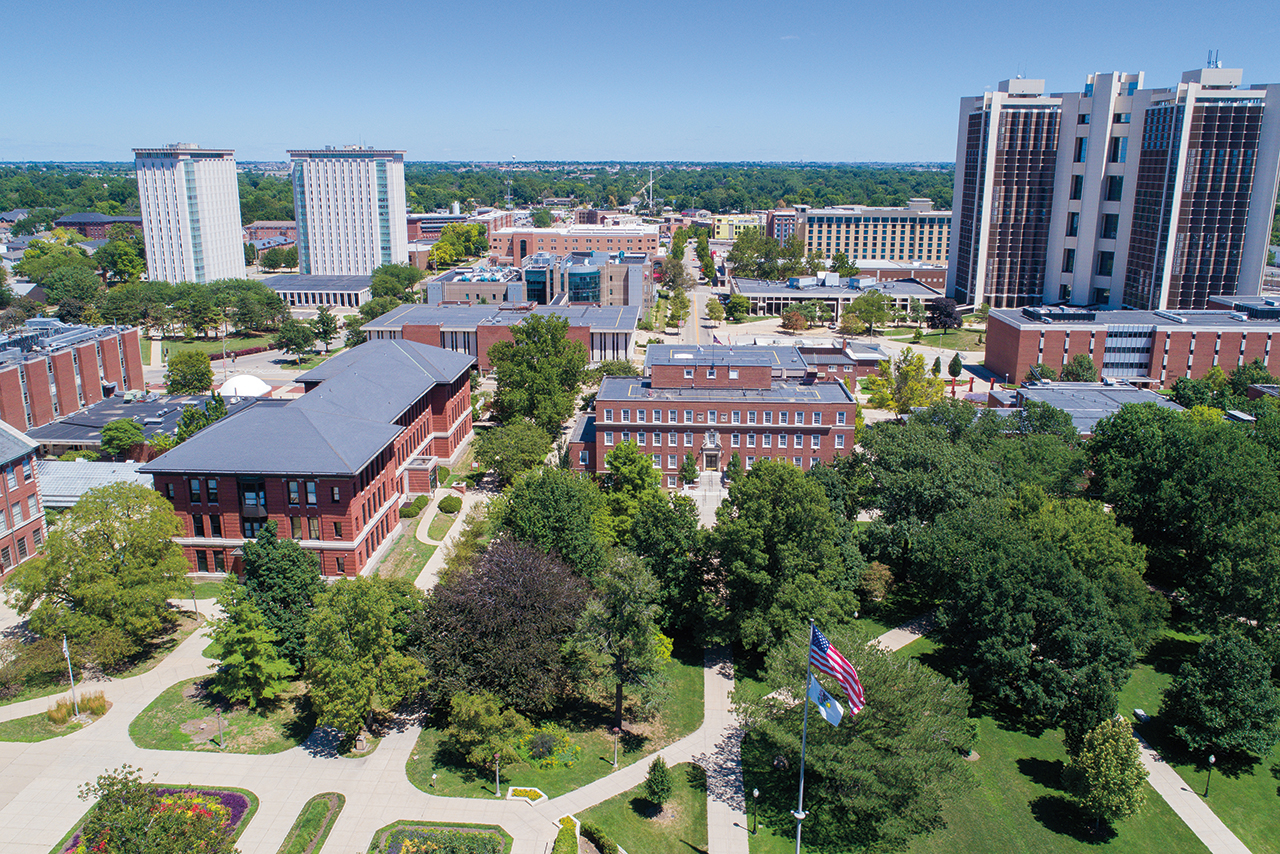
(952, 339)
(379, 843)
(681, 828)
(588, 724)
(407, 556)
(145, 346)
(314, 823)
(35, 728)
(185, 718)
(213, 345)
(440, 525)
(291, 363)
(207, 589)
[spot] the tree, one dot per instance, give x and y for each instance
(271, 259)
(1045, 373)
(290, 258)
(689, 468)
(1080, 370)
(324, 326)
(715, 310)
(106, 573)
(733, 471)
(665, 533)
(560, 512)
(250, 668)
(500, 627)
(395, 280)
(189, 372)
(542, 218)
(871, 308)
(936, 370)
(481, 731)
(283, 580)
(195, 418)
(250, 255)
(901, 385)
(880, 777)
(130, 816)
(793, 320)
(849, 324)
(843, 267)
(781, 556)
(618, 638)
(1224, 700)
(955, 367)
(71, 283)
(657, 784)
(120, 436)
(540, 372)
(943, 314)
(737, 307)
(512, 448)
(1107, 776)
(353, 665)
(677, 307)
(295, 337)
(916, 311)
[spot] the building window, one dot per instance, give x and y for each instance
(671, 461)
(313, 523)
(688, 373)
(6, 557)
(671, 439)
(733, 373)
(295, 496)
(197, 522)
(337, 530)
(782, 418)
(751, 417)
(37, 536)
(1110, 225)
(1082, 148)
(26, 471)
(640, 437)
(768, 416)
(799, 417)
(688, 416)
(768, 440)
(1123, 118)
(1115, 187)
(31, 507)
(193, 487)
(751, 440)
(1077, 187)
(336, 495)
(735, 440)
(626, 416)
(12, 474)
(640, 415)
(626, 436)
(839, 440)
(750, 462)
(342, 565)
(311, 493)
(798, 462)
(608, 437)
(215, 525)
(16, 510)
(671, 482)
(1106, 263)
(1068, 260)
(582, 458)
(736, 417)
(815, 441)
(817, 418)
(202, 561)
(711, 373)
(671, 416)
(250, 528)
(688, 440)
(840, 418)
(1119, 148)
(219, 562)
(1082, 119)
(168, 490)
(657, 461)
(711, 416)
(295, 527)
(1073, 224)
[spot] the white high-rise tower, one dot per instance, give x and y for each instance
(190, 213)
(350, 207)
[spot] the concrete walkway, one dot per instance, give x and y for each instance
(1187, 804)
(431, 571)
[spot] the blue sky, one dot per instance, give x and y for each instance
(568, 80)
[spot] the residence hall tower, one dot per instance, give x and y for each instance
(1116, 196)
(330, 468)
(190, 213)
(758, 402)
(914, 233)
(350, 210)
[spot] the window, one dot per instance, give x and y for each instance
(608, 437)
(671, 439)
(219, 562)
(711, 416)
(768, 416)
(1106, 261)
(1077, 187)
(840, 418)
(31, 507)
(798, 462)
(688, 416)
(1082, 148)
(711, 373)
(815, 441)
(782, 418)
(640, 437)
(768, 440)
(13, 478)
(626, 436)
(337, 530)
(671, 482)
(1110, 225)
(342, 565)
(608, 415)
(1122, 118)
(751, 440)
(193, 488)
(671, 461)
(751, 461)
(1119, 148)
(26, 471)
(688, 440)
(313, 524)
(168, 490)
(817, 418)
(799, 417)
(735, 440)
(813, 461)
(1115, 187)
(839, 440)
(1082, 119)
(37, 536)
(250, 528)
(295, 496)
(16, 510)
(295, 527)
(582, 458)
(782, 440)
(626, 416)
(202, 561)
(215, 525)
(657, 416)
(6, 557)
(311, 493)
(657, 461)
(1068, 260)
(733, 373)
(1073, 224)
(688, 373)
(197, 521)
(736, 417)
(751, 417)
(640, 415)
(671, 416)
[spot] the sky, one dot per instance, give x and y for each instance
(694, 80)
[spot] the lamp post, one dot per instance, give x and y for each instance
(221, 740)
(433, 781)
(755, 810)
(616, 733)
(1212, 759)
(497, 780)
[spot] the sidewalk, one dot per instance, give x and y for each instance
(1193, 811)
(431, 571)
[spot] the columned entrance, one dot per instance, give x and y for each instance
(711, 451)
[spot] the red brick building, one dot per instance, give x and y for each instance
(51, 369)
(331, 468)
(759, 402)
(1140, 347)
(267, 228)
(21, 511)
(94, 225)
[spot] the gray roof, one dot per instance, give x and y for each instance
(14, 215)
(613, 318)
(62, 483)
(1166, 321)
(849, 289)
(1089, 403)
(783, 358)
(13, 445)
(635, 390)
(584, 429)
(349, 284)
(380, 379)
(157, 413)
(91, 217)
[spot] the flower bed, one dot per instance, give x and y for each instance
(234, 806)
(419, 837)
(247, 351)
(529, 794)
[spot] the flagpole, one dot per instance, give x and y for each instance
(804, 733)
(71, 673)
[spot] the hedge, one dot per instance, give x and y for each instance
(597, 837)
(247, 351)
(566, 839)
(415, 508)
(450, 504)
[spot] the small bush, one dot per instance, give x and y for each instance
(657, 786)
(450, 504)
(597, 837)
(566, 839)
(95, 703)
(531, 794)
(442, 474)
(415, 508)
(549, 746)
(61, 713)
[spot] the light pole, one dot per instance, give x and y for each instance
(755, 810)
(616, 733)
(221, 740)
(1212, 759)
(433, 781)
(497, 779)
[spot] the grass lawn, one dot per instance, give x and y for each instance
(184, 718)
(291, 364)
(55, 681)
(145, 346)
(407, 556)
(681, 828)
(379, 843)
(212, 345)
(207, 589)
(313, 824)
(35, 728)
(588, 725)
(440, 525)
(951, 339)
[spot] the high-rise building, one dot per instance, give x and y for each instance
(350, 208)
(190, 213)
(1117, 196)
(914, 233)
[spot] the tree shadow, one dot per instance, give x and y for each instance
(644, 807)
(1167, 654)
(693, 847)
(1061, 816)
(1043, 772)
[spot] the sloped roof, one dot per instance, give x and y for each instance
(62, 483)
(13, 444)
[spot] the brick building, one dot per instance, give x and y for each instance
(513, 245)
(94, 225)
(331, 468)
(49, 369)
(759, 402)
(21, 513)
(267, 228)
(1141, 347)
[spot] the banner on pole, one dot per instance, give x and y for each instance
(828, 706)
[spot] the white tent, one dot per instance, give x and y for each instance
(244, 385)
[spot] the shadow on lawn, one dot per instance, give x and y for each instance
(1062, 816)
(1043, 772)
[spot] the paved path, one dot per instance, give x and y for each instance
(431, 571)
(1187, 804)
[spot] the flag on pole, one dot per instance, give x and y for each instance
(715, 340)
(66, 652)
(827, 659)
(828, 707)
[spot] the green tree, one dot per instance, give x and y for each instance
(250, 255)
(843, 266)
(560, 512)
(324, 326)
(290, 258)
(188, 372)
(674, 275)
(1080, 370)
(677, 307)
(882, 776)
(540, 373)
(119, 436)
(872, 308)
(480, 729)
(936, 370)
(901, 385)
(955, 367)
(283, 580)
(665, 534)
(849, 325)
(689, 468)
(250, 668)
(737, 307)
(106, 573)
(733, 471)
(395, 280)
(715, 310)
(271, 259)
(122, 260)
(71, 283)
(130, 816)
(354, 667)
(657, 784)
(1045, 373)
(512, 448)
(1224, 700)
(631, 475)
(618, 637)
(1106, 775)
(295, 337)
(542, 218)
(917, 312)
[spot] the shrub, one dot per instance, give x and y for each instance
(531, 794)
(61, 713)
(415, 508)
(420, 840)
(93, 703)
(657, 786)
(566, 839)
(549, 746)
(450, 504)
(597, 837)
(442, 474)
(247, 351)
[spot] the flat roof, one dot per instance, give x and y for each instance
(62, 483)
(1089, 403)
(304, 282)
(613, 318)
(1103, 318)
(156, 413)
(849, 288)
(343, 152)
(639, 390)
(783, 357)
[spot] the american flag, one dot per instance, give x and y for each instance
(827, 659)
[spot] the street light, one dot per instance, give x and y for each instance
(616, 733)
(433, 781)
(1212, 759)
(755, 810)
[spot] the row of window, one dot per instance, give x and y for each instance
(642, 439)
(1104, 266)
(11, 473)
(6, 555)
(32, 511)
(714, 417)
(252, 495)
